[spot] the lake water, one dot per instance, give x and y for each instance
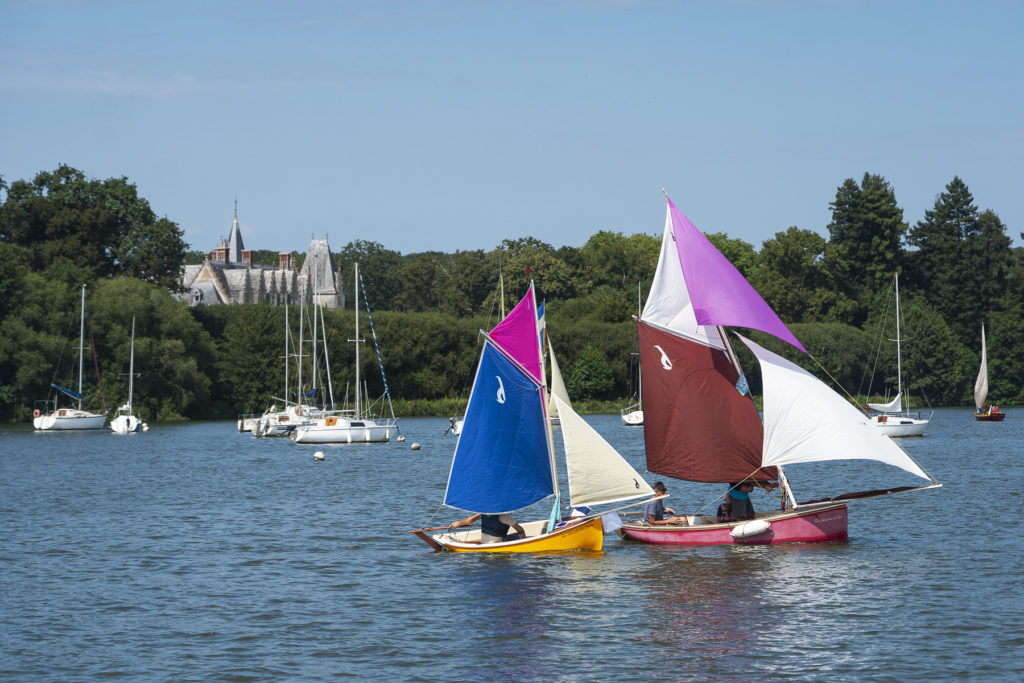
(195, 553)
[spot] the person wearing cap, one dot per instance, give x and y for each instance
(654, 512)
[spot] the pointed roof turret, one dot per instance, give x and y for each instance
(235, 245)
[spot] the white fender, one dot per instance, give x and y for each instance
(751, 528)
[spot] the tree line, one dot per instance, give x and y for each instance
(957, 269)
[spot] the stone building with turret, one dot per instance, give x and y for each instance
(228, 276)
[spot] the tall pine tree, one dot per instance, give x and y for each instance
(963, 260)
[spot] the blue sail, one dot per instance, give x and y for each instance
(502, 462)
(72, 394)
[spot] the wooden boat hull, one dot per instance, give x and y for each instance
(989, 417)
(588, 535)
(818, 524)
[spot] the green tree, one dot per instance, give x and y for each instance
(591, 376)
(100, 225)
(961, 257)
(866, 234)
(790, 275)
(376, 268)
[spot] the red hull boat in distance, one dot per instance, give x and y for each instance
(984, 412)
(701, 424)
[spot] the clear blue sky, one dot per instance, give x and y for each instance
(456, 124)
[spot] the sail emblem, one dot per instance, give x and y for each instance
(501, 390)
(665, 362)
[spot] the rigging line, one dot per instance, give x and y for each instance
(376, 346)
(833, 379)
(96, 363)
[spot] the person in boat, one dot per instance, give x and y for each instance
(725, 511)
(494, 528)
(654, 511)
(737, 499)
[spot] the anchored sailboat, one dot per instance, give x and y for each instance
(700, 423)
(54, 418)
(345, 426)
(125, 422)
(891, 417)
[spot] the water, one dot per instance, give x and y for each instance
(195, 553)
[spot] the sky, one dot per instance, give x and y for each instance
(455, 124)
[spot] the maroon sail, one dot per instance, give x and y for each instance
(697, 425)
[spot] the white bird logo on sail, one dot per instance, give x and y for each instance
(665, 362)
(501, 390)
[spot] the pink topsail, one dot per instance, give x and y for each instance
(518, 335)
(719, 293)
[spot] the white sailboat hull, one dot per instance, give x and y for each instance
(901, 425)
(69, 418)
(127, 424)
(343, 430)
(633, 416)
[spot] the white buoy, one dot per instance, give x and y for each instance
(318, 456)
(145, 427)
(414, 447)
(400, 438)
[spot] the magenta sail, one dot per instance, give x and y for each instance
(720, 294)
(517, 335)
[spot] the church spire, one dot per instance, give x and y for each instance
(235, 245)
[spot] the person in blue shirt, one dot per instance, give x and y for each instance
(654, 511)
(738, 499)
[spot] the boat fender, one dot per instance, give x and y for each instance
(35, 413)
(751, 528)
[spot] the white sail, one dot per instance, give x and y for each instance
(893, 406)
(597, 473)
(668, 304)
(806, 421)
(981, 384)
(557, 385)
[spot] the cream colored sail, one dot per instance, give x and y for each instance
(557, 386)
(981, 384)
(597, 473)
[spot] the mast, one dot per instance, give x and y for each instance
(131, 369)
(899, 358)
(357, 340)
(81, 350)
(287, 331)
(299, 396)
(315, 290)
(639, 375)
